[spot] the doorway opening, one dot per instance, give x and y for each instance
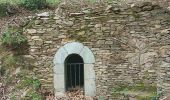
(74, 72)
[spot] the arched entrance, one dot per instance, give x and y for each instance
(65, 55)
(74, 72)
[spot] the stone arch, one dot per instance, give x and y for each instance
(89, 73)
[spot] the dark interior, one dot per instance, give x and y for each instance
(74, 72)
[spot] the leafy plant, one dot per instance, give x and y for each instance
(3, 9)
(34, 4)
(33, 95)
(36, 84)
(13, 38)
(13, 97)
(29, 81)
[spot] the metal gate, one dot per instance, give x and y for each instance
(74, 76)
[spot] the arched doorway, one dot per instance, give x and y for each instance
(74, 72)
(64, 54)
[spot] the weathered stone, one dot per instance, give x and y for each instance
(56, 17)
(31, 31)
(100, 41)
(35, 37)
(18, 70)
(147, 8)
(48, 42)
(167, 59)
(86, 11)
(38, 22)
(81, 33)
(40, 31)
(128, 45)
(76, 14)
(98, 25)
(109, 7)
(44, 14)
(39, 42)
(68, 23)
(58, 21)
(165, 31)
(109, 42)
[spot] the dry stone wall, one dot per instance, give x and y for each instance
(130, 44)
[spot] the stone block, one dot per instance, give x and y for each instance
(89, 72)
(60, 56)
(98, 25)
(90, 87)
(31, 31)
(35, 37)
(109, 42)
(59, 69)
(59, 81)
(100, 41)
(87, 55)
(74, 47)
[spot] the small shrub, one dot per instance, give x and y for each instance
(36, 84)
(29, 81)
(13, 97)
(13, 38)
(34, 4)
(3, 9)
(32, 95)
(2, 71)
(9, 61)
(7, 9)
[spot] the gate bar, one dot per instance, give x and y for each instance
(79, 74)
(70, 76)
(75, 74)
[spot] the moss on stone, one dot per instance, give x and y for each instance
(141, 90)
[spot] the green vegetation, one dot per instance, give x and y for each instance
(18, 2)
(49, 1)
(10, 61)
(31, 83)
(7, 7)
(33, 95)
(13, 38)
(141, 90)
(34, 4)
(3, 9)
(16, 69)
(21, 1)
(28, 81)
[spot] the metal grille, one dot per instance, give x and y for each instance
(74, 75)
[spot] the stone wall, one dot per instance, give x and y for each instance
(130, 44)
